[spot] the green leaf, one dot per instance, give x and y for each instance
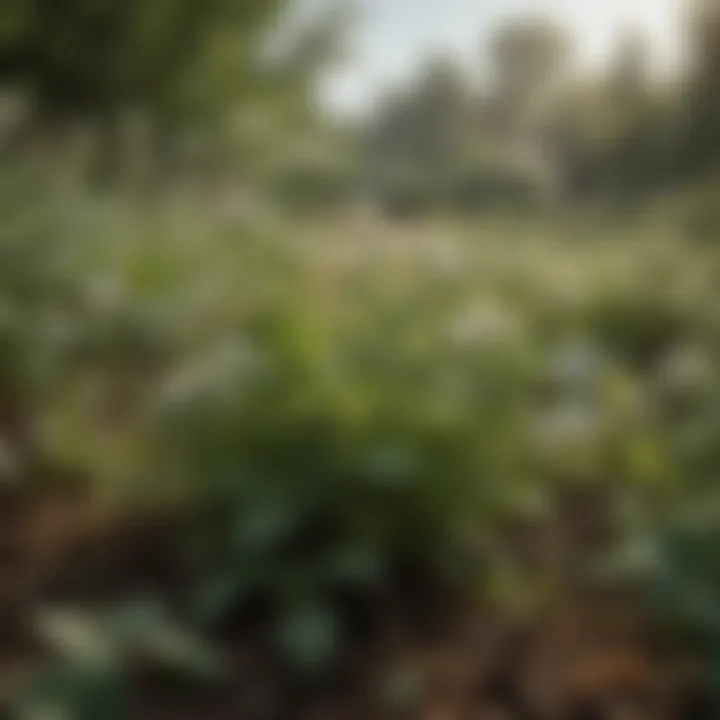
(266, 526)
(79, 637)
(148, 629)
(403, 689)
(65, 691)
(359, 565)
(308, 634)
(220, 594)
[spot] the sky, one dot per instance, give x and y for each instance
(387, 38)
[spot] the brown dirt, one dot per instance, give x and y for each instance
(590, 658)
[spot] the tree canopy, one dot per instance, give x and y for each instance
(95, 56)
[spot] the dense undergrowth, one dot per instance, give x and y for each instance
(328, 405)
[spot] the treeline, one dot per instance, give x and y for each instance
(164, 92)
(537, 131)
(530, 128)
(155, 92)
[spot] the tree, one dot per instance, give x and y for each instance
(529, 57)
(153, 80)
(166, 88)
(637, 157)
(630, 68)
(420, 135)
(99, 56)
(699, 141)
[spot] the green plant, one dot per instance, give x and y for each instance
(89, 679)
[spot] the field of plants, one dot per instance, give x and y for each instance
(256, 467)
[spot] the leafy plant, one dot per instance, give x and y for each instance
(89, 678)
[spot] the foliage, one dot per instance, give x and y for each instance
(97, 57)
(327, 407)
(332, 408)
(91, 677)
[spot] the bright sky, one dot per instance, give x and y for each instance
(388, 37)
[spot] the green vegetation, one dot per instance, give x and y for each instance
(324, 405)
(333, 408)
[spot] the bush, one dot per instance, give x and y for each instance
(316, 464)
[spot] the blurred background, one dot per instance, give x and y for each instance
(359, 359)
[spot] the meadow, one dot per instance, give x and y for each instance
(294, 419)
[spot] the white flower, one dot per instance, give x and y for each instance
(216, 375)
(484, 322)
(569, 425)
(446, 258)
(576, 364)
(685, 368)
(59, 328)
(105, 292)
